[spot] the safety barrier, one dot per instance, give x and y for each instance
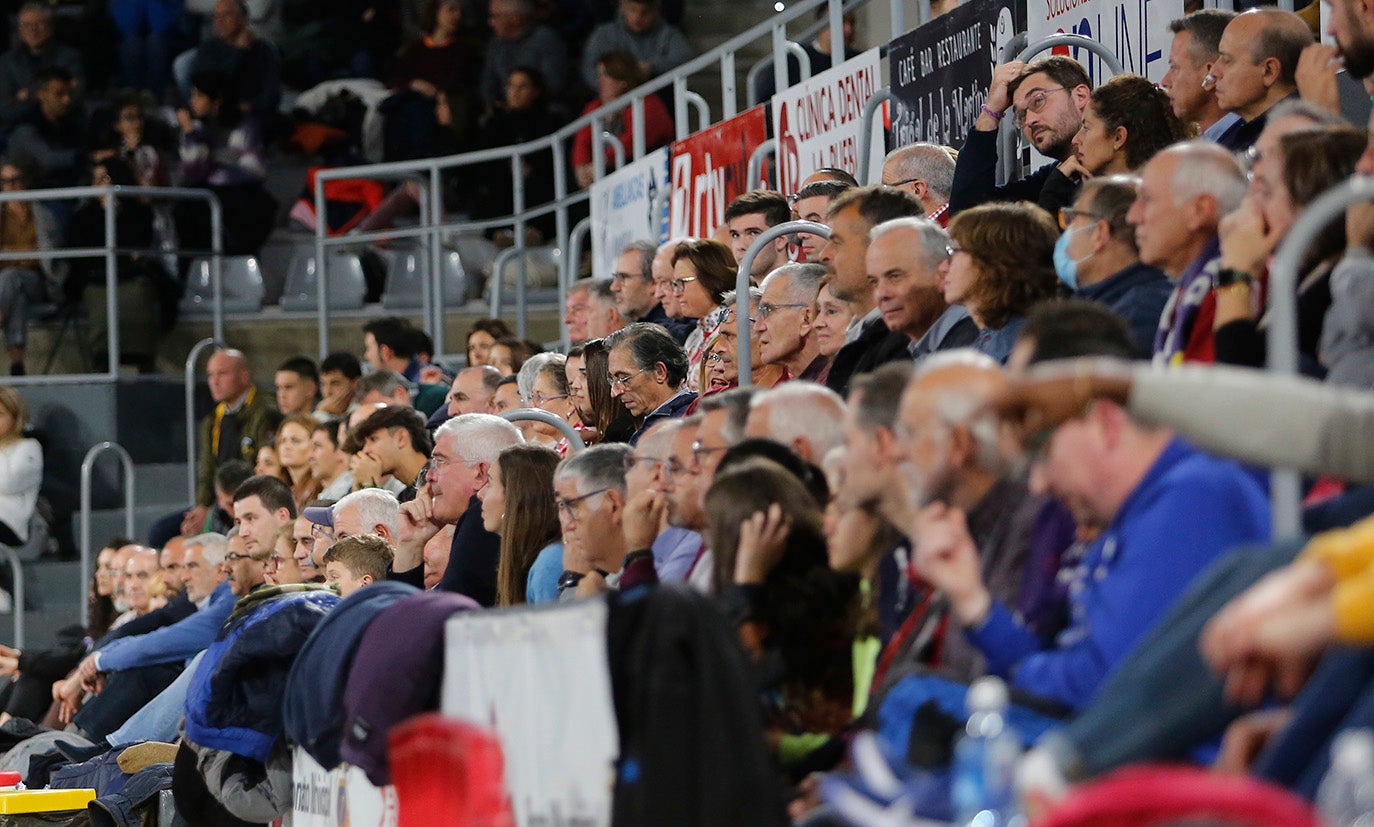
(539, 415)
(17, 566)
(746, 370)
(110, 251)
(722, 60)
(190, 376)
(85, 551)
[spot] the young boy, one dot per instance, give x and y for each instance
(357, 561)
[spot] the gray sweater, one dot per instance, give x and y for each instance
(664, 47)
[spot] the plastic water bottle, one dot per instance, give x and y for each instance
(985, 760)
(1346, 795)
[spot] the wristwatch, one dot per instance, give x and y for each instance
(1228, 276)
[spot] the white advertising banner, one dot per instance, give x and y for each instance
(1135, 31)
(817, 122)
(540, 678)
(623, 207)
(341, 797)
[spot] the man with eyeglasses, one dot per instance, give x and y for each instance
(783, 321)
(589, 490)
(1255, 69)
(907, 260)
(647, 369)
(683, 483)
(646, 512)
(927, 172)
(1097, 259)
(637, 295)
(1046, 98)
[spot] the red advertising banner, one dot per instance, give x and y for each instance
(709, 169)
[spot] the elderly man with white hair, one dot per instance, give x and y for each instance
(369, 511)
(465, 448)
(949, 452)
(784, 318)
(805, 417)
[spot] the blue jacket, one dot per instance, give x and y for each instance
(178, 642)
(1138, 295)
(234, 702)
(673, 408)
(1188, 510)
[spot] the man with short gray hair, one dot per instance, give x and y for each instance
(784, 318)
(603, 313)
(465, 448)
(927, 172)
(589, 488)
(907, 260)
(647, 370)
(806, 417)
(1184, 192)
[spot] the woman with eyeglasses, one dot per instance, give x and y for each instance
(551, 392)
(282, 568)
(518, 505)
(703, 271)
(1002, 265)
(1127, 120)
(1334, 322)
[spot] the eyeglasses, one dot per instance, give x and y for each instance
(1068, 214)
(1035, 102)
(276, 562)
(901, 182)
(621, 381)
(718, 359)
(631, 461)
(731, 314)
(11, 179)
(234, 557)
(539, 398)
(698, 450)
(678, 285)
(623, 277)
(765, 309)
(323, 531)
(673, 468)
(566, 506)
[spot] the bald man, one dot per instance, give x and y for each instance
(1256, 68)
(241, 422)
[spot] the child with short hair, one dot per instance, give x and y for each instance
(357, 561)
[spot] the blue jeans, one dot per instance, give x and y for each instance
(158, 719)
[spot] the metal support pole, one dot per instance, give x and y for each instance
(780, 58)
(540, 415)
(729, 101)
(427, 270)
(637, 128)
(1282, 337)
(703, 110)
(837, 32)
(111, 285)
(433, 192)
(866, 133)
(598, 151)
(217, 264)
(498, 268)
(323, 332)
(680, 125)
(17, 566)
(923, 13)
(580, 231)
(86, 465)
(742, 284)
(897, 17)
(754, 179)
(190, 377)
(617, 149)
(518, 203)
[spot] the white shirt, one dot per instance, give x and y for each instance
(21, 473)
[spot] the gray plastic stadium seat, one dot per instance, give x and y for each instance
(347, 285)
(405, 270)
(243, 288)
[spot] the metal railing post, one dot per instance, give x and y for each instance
(423, 254)
(86, 465)
(1282, 336)
(323, 333)
(754, 177)
(780, 58)
(522, 266)
(617, 149)
(680, 126)
(217, 265)
(636, 129)
(17, 566)
(598, 151)
(729, 99)
(896, 10)
(866, 133)
(836, 22)
(190, 376)
(703, 110)
(111, 285)
(580, 231)
(540, 415)
(742, 284)
(498, 269)
(923, 14)
(435, 193)
(1007, 129)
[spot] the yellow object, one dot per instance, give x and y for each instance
(1349, 554)
(44, 801)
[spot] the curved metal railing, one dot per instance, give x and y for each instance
(539, 415)
(87, 465)
(768, 236)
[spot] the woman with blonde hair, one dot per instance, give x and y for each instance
(21, 469)
(293, 455)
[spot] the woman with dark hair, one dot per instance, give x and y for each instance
(1307, 163)
(1003, 264)
(508, 354)
(140, 144)
(440, 64)
(518, 504)
(222, 150)
(609, 417)
(482, 337)
(765, 533)
(526, 116)
(617, 72)
(1127, 120)
(703, 272)
(293, 454)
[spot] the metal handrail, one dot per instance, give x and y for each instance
(86, 465)
(1282, 337)
(866, 132)
(754, 176)
(110, 252)
(794, 50)
(703, 110)
(539, 415)
(498, 271)
(190, 375)
(742, 284)
(580, 231)
(17, 566)
(1007, 129)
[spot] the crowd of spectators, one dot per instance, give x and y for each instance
(990, 430)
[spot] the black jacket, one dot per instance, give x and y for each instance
(472, 558)
(975, 176)
(875, 346)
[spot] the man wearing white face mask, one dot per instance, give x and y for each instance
(1097, 259)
